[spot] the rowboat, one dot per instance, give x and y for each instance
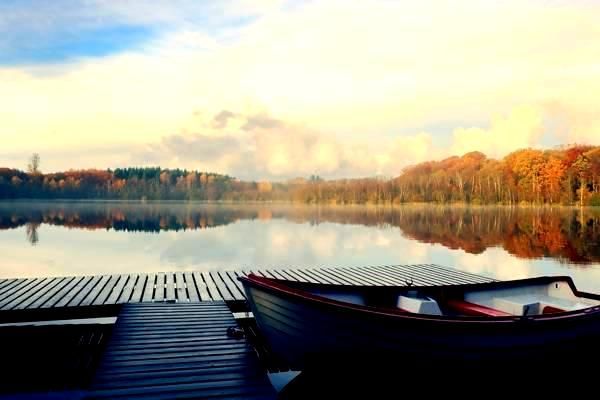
(524, 322)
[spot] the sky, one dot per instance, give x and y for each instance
(273, 89)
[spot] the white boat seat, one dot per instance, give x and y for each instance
(534, 304)
(414, 303)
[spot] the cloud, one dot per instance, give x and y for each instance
(295, 151)
(220, 120)
(200, 146)
(261, 121)
(259, 146)
(194, 151)
(573, 125)
(406, 150)
(522, 128)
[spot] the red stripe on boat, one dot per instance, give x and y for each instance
(552, 310)
(466, 308)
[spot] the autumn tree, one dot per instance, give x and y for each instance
(593, 157)
(527, 165)
(552, 174)
(582, 167)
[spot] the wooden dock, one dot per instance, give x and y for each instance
(167, 351)
(194, 287)
(170, 338)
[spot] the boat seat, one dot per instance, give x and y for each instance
(467, 308)
(536, 304)
(412, 302)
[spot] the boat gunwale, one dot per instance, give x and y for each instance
(280, 286)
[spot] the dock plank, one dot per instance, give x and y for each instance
(11, 288)
(385, 277)
(321, 276)
(69, 298)
(403, 278)
(127, 291)
(170, 287)
(98, 290)
(374, 278)
(148, 294)
(153, 366)
(180, 289)
(14, 288)
(455, 275)
(44, 293)
(236, 292)
(212, 288)
(89, 293)
(340, 277)
(22, 291)
(138, 289)
(234, 277)
(268, 273)
(202, 287)
(58, 295)
(286, 275)
(432, 278)
(159, 291)
(192, 290)
(115, 293)
(6, 283)
(299, 277)
(32, 292)
(223, 289)
(419, 277)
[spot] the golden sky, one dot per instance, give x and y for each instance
(275, 89)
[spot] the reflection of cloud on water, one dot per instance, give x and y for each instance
(282, 244)
(495, 263)
(414, 253)
(324, 243)
(280, 241)
(382, 241)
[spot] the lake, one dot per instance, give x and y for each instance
(83, 238)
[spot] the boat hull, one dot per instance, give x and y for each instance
(305, 331)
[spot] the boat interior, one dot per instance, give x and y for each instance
(537, 296)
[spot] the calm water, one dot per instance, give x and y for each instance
(49, 239)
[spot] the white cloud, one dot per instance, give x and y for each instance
(522, 128)
(259, 146)
(406, 150)
(574, 124)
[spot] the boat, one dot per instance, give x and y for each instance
(525, 322)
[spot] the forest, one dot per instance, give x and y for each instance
(568, 175)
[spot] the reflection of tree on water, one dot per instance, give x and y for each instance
(561, 233)
(32, 234)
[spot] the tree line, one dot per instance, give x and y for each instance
(568, 176)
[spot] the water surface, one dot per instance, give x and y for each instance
(75, 238)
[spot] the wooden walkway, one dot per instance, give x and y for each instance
(168, 351)
(194, 287)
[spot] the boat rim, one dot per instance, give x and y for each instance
(280, 285)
